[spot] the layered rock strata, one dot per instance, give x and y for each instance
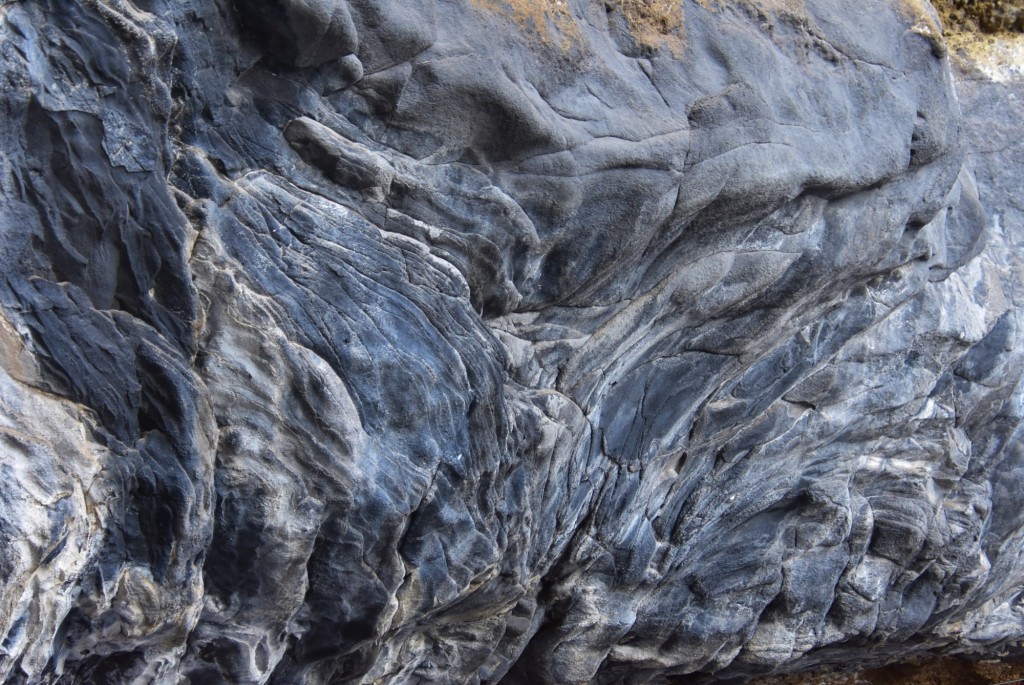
(472, 342)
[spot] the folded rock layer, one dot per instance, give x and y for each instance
(355, 341)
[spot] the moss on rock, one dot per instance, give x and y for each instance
(989, 16)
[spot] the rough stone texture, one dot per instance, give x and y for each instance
(428, 341)
(992, 16)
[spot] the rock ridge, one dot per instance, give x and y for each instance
(354, 341)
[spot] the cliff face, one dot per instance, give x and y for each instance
(428, 341)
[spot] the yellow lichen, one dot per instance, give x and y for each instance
(989, 16)
(999, 57)
(925, 22)
(548, 19)
(659, 23)
(986, 35)
(654, 23)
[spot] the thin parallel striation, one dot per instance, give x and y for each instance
(347, 341)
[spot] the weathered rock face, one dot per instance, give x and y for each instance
(428, 341)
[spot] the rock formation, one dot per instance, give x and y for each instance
(463, 341)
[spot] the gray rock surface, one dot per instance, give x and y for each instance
(439, 341)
